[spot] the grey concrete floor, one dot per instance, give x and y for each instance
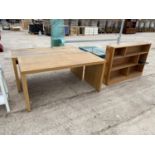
(61, 104)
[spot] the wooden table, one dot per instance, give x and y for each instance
(33, 52)
(85, 66)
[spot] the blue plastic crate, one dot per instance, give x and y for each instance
(94, 50)
(66, 30)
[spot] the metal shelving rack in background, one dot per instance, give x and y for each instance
(118, 39)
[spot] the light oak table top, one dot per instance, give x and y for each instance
(128, 44)
(42, 51)
(56, 60)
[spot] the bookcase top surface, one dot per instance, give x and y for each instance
(128, 44)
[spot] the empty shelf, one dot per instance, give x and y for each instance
(123, 66)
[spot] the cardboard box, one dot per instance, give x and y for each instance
(88, 30)
(15, 28)
(74, 30)
(25, 24)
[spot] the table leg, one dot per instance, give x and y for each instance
(18, 82)
(94, 75)
(25, 91)
(79, 72)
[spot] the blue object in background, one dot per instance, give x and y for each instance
(66, 30)
(57, 32)
(94, 50)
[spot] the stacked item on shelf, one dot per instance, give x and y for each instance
(117, 26)
(73, 27)
(15, 28)
(47, 27)
(137, 26)
(5, 25)
(88, 30)
(102, 26)
(66, 30)
(93, 22)
(147, 25)
(36, 27)
(74, 30)
(72, 22)
(141, 26)
(66, 27)
(152, 26)
(130, 26)
(25, 24)
(66, 22)
(110, 25)
(84, 22)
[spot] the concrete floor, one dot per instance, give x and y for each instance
(64, 105)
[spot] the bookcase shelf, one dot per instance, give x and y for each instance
(137, 49)
(119, 74)
(125, 61)
(123, 66)
(119, 52)
(132, 54)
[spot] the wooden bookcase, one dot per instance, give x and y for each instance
(125, 61)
